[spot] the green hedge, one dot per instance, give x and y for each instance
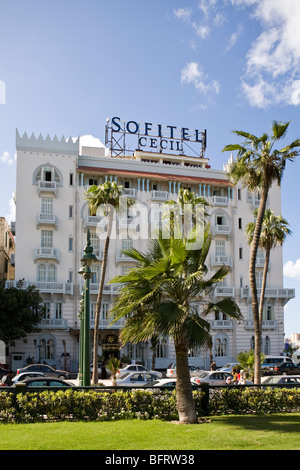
(252, 400)
(91, 405)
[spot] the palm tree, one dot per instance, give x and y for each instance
(258, 165)
(159, 297)
(274, 231)
(108, 196)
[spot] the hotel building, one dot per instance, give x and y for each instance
(52, 219)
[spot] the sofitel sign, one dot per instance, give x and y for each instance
(158, 137)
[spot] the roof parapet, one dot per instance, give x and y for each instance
(41, 144)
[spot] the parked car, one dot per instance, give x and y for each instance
(136, 379)
(171, 371)
(137, 368)
(46, 382)
(270, 361)
(170, 383)
(214, 377)
(289, 381)
(45, 369)
(228, 367)
(26, 375)
(285, 368)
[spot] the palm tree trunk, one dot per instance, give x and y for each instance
(263, 286)
(99, 301)
(184, 398)
(252, 281)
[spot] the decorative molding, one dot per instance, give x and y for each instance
(39, 144)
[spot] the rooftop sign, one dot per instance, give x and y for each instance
(151, 137)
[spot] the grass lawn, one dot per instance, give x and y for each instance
(267, 432)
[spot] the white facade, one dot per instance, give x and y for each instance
(52, 219)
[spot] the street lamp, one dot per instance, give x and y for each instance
(84, 349)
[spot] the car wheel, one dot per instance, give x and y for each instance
(284, 373)
(61, 376)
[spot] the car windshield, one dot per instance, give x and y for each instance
(203, 374)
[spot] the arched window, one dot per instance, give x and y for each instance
(221, 347)
(41, 277)
(47, 173)
(45, 349)
(46, 273)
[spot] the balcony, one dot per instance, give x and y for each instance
(45, 287)
(159, 195)
(221, 230)
(46, 253)
(109, 289)
(266, 325)
(219, 201)
(46, 219)
(106, 323)
(220, 260)
(224, 291)
(128, 223)
(47, 187)
(92, 220)
(270, 293)
(53, 323)
(130, 192)
(221, 324)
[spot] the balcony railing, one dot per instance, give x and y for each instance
(54, 323)
(46, 219)
(220, 260)
(221, 229)
(266, 324)
(47, 186)
(45, 287)
(46, 253)
(159, 195)
(219, 200)
(224, 291)
(221, 324)
(130, 192)
(284, 294)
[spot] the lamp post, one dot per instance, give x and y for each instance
(84, 349)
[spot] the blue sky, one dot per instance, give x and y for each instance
(220, 65)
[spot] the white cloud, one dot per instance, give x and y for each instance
(234, 37)
(201, 30)
(11, 216)
(292, 269)
(191, 73)
(273, 61)
(7, 158)
(183, 13)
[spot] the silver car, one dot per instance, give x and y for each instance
(136, 379)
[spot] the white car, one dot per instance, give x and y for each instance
(171, 371)
(137, 368)
(214, 377)
(136, 379)
(169, 383)
(26, 375)
(281, 379)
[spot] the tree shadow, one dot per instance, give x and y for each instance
(274, 423)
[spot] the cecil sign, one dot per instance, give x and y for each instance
(154, 136)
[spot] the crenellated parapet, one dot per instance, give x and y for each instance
(41, 144)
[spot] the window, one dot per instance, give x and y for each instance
(95, 271)
(220, 247)
(239, 194)
(46, 273)
(70, 244)
(58, 310)
(127, 243)
(162, 348)
(92, 182)
(104, 310)
(221, 347)
(95, 241)
(47, 173)
(70, 212)
(71, 179)
(47, 205)
(45, 349)
(47, 310)
(46, 238)
(240, 223)
(240, 253)
(51, 277)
